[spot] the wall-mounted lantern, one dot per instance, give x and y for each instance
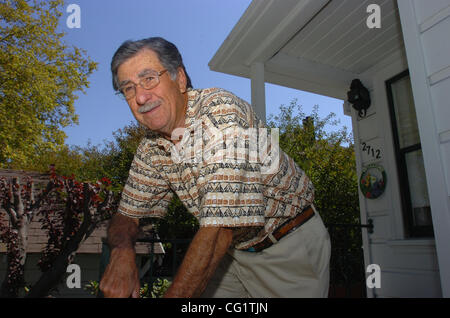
(359, 97)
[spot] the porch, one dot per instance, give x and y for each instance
(320, 46)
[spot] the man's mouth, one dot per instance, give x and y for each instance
(149, 106)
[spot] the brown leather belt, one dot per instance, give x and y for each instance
(283, 230)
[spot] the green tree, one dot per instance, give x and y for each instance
(327, 157)
(39, 76)
(112, 159)
(69, 212)
(121, 151)
(67, 161)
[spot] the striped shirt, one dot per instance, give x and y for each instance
(227, 170)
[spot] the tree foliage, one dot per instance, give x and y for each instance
(155, 290)
(69, 212)
(327, 157)
(39, 76)
(93, 162)
(85, 207)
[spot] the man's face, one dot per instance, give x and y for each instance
(162, 108)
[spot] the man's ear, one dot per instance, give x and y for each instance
(182, 80)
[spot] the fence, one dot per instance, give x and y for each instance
(175, 250)
(347, 272)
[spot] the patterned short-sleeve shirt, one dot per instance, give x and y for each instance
(227, 170)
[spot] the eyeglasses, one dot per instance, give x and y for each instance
(150, 81)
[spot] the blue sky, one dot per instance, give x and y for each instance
(196, 27)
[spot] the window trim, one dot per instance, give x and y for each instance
(412, 230)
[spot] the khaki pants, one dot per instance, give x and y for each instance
(296, 266)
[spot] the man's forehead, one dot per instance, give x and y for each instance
(141, 64)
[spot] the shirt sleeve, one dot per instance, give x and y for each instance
(146, 192)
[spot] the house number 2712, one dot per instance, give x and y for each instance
(371, 151)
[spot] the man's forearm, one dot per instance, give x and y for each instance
(121, 276)
(122, 232)
(200, 262)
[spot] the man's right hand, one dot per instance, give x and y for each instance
(121, 277)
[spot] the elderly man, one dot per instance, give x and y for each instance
(259, 236)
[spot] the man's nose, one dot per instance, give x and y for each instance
(142, 95)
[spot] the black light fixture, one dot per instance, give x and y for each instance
(359, 97)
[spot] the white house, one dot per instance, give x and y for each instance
(400, 50)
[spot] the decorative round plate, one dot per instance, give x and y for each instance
(372, 181)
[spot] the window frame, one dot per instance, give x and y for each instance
(412, 230)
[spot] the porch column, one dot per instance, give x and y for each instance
(258, 90)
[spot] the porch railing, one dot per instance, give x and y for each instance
(175, 250)
(347, 272)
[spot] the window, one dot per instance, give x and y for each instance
(408, 150)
